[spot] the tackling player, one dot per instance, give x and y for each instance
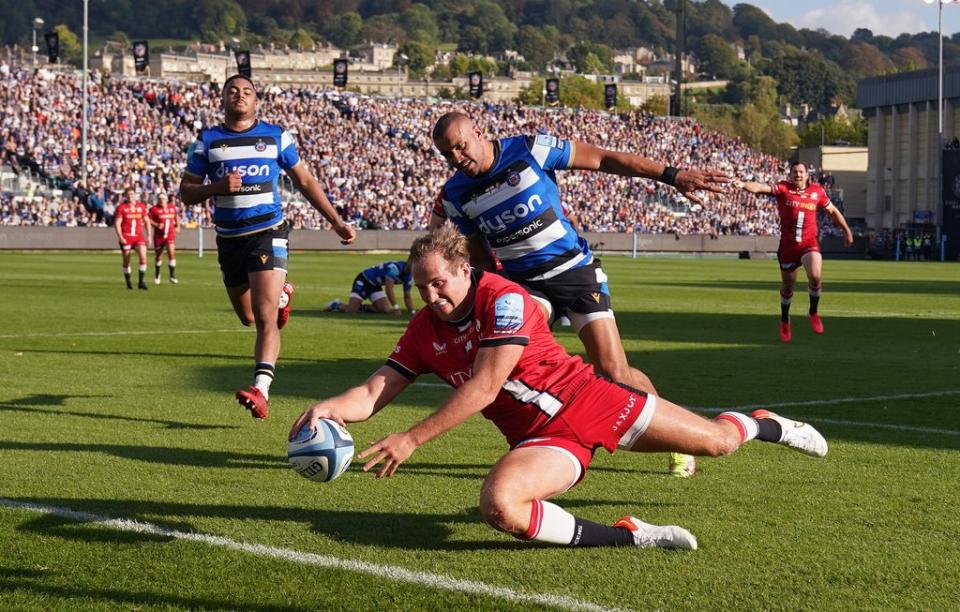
(798, 201)
(238, 163)
(133, 231)
(504, 196)
(376, 284)
(165, 220)
(487, 338)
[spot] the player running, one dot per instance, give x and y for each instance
(376, 284)
(798, 201)
(487, 338)
(165, 220)
(133, 231)
(238, 163)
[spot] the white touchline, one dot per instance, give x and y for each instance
(434, 581)
(842, 400)
(235, 330)
(848, 400)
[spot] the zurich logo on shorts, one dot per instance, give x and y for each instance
(508, 313)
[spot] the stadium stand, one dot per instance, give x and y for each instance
(373, 154)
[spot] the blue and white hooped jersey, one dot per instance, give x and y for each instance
(259, 153)
(516, 205)
(395, 270)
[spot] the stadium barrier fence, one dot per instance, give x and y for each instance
(104, 238)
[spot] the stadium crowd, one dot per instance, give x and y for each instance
(374, 155)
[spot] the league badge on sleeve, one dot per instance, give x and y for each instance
(508, 313)
(548, 140)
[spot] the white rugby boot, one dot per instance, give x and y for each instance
(796, 434)
(646, 535)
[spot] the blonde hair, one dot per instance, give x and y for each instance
(446, 241)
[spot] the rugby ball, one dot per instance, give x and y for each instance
(321, 451)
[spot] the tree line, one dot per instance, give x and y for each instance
(741, 44)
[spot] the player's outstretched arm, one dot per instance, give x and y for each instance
(311, 189)
(490, 370)
(687, 182)
(358, 403)
(752, 187)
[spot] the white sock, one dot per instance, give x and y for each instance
(550, 523)
(262, 382)
(746, 425)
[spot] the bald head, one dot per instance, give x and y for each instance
(451, 120)
(462, 144)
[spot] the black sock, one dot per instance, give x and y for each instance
(263, 367)
(173, 271)
(769, 430)
(814, 303)
(785, 313)
(156, 271)
(588, 533)
(126, 276)
(141, 272)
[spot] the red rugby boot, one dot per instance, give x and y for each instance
(816, 324)
(252, 399)
(785, 334)
(286, 296)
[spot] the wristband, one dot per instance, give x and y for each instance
(669, 175)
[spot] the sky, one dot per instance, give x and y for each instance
(889, 17)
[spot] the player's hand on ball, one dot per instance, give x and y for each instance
(392, 451)
(318, 411)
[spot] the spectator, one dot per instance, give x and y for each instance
(374, 155)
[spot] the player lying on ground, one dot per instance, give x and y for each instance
(488, 339)
(376, 284)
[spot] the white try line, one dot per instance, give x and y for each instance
(432, 581)
(172, 332)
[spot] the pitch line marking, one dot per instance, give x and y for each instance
(841, 400)
(847, 400)
(131, 333)
(399, 574)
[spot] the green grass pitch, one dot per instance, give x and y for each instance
(118, 404)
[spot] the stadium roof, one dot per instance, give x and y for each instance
(907, 87)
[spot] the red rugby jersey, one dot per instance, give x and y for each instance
(540, 385)
(798, 211)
